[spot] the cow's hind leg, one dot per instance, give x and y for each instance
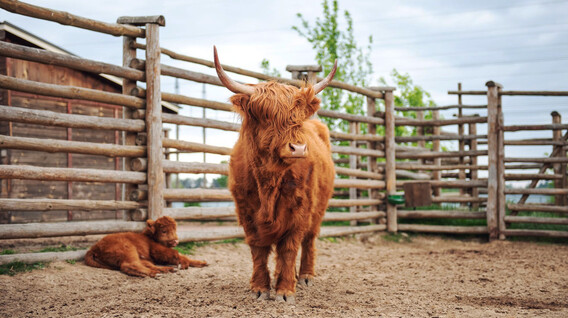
(260, 281)
(308, 260)
(286, 250)
(131, 264)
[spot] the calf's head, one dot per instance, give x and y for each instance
(163, 231)
(273, 114)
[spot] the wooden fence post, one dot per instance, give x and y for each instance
(390, 158)
(559, 168)
(154, 122)
(472, 131)
(437, 174)
(372, 165)
(128, 138)
(461, 143)
(493, 106)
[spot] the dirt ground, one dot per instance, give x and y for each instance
(365, 276)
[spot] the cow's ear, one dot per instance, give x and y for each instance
(308, 101)
(240, 101)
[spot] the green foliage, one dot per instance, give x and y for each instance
(7, 252)
(71, 261)
(220, 182)
(331, 42)
(268, 70)
(13, 268)
(188, 204)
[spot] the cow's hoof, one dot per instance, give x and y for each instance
(306, 280)
(290, 299)
(258, 295)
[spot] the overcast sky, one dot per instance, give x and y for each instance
(520, 44)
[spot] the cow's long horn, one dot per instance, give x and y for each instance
(323, 84)
(233, 86)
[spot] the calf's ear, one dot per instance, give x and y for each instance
(240, 101)
(151, 226)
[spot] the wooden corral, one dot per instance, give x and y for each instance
(23, 132)
(466, 170)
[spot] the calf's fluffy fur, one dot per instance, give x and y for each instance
(137, 253)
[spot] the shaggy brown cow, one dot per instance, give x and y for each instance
(281, 177)
(135, 253)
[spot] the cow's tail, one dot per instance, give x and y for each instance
(92, 261)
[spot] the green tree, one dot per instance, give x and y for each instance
(331, 42)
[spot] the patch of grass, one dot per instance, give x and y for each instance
(397, 237)
(7, 252)
(13, 268)
(71, 261)
(61, 248)
(188, 248)
(231, 241)
(332, 239)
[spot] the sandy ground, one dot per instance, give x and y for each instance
(358, 277)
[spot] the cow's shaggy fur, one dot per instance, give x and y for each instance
(137, 253)
(280, 197)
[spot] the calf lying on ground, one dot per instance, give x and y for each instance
(136, 253)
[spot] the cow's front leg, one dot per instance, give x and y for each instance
(286, 250)
(308, 260)
(260, 280)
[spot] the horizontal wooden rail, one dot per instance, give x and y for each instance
(29, 258)
(357, 151)
(457, 199)
(542, 233)
(467, 92)
(67, 18)
(195, 147)
(532, 176)
(49, 118)
(440, 154)
(537, 220)
(34, 230)
(73, 92)
(197, 195)
(55, 145)
(351, 117)
(355, 137)
(194, 167)
(442, 229)
(403, 109)
(537, 207)
(353, 202)
(540, 191)
(426, 214)
(534, 93)
(70, 174)
(60, 204)
(70, 61)
(439, 122)
(356, 183)
(358, 173)
(438, 137)
(540, 160)
(199, 122)
(535, 127)
(414, 166)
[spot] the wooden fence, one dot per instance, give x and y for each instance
(371, 169)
